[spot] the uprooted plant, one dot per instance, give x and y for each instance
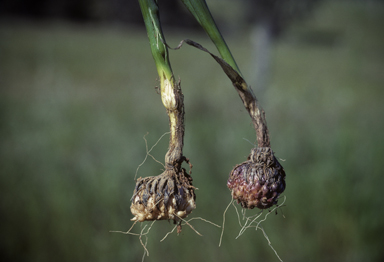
(170, 195)
(259, 181)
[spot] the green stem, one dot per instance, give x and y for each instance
(200, 11)
(150, 12)
(171, 95)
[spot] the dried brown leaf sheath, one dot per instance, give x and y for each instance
(259, 181)
(169, 196)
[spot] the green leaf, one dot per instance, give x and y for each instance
(200, 11)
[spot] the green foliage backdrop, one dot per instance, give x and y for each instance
(76, 101)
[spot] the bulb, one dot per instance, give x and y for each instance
(168, 196)
(259, 181)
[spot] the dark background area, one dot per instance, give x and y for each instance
(86, 11)
(77, 95)
(173, 11)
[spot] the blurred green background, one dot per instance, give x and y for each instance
(76, 101)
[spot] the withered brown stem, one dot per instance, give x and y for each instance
(257, 114)
(245, 92)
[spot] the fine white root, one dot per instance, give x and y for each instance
(127, 232)
(146, 240)
(145, 231)
(270, 244)
(170, 232)
(149, 151)
(257, 226)
(145, 249)
(245, 226)
(186, 222)
(222, 228)
(250, 221)
(142, 234)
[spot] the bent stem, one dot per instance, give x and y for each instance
(171, 94)
(200, 11)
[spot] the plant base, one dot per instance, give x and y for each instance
(259, 181)
(169, 196)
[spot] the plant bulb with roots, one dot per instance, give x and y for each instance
(259, 181)
(169, 196)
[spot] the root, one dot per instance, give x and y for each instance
(127, 232)
(257, 226)
(146, 240)
(186, 222)
(222, 228)
(145, 231)
(142, 233)
(253, 144)
(245, 226)
(149, 151)
(145, 249)
(205, 220)
(170, 232)
(250, 222)
(270, 244)
(237, 212)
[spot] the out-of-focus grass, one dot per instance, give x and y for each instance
(76, 102)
